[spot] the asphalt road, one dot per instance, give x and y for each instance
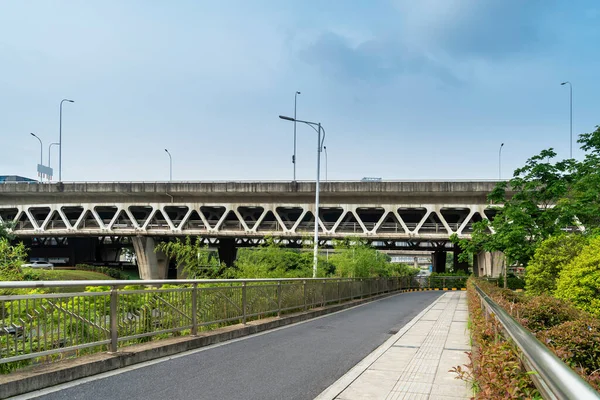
(296, 362)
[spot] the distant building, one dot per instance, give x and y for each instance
(14, 178)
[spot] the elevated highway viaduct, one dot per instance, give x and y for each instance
(86, 221)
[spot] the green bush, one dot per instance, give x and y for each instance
(544, 312)
(572, 334)
(549, 259)
(579, 281)
(577, 343)
(455, 280)
(494, 369)
(514, 282)
(112, 272)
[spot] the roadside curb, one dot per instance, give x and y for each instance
(43, 376)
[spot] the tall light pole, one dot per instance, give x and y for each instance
(60, 139)
(294, 156)
(170, 165)
(325, 148)
(500, 162)
(570, 118)
(41, 150)
(319, 149)
(49, 152)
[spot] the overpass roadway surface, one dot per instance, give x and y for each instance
(294, 362)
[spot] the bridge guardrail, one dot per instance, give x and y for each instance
(46, 326)
(553, 378)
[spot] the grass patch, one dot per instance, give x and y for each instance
(65, 275)
(31, 274)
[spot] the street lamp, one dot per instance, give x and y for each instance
(60, 139)
(500, 162)
(294, 156)
(325, 148)
(570, 118)
(170, 165)
(41, 150)
(49, 153)
(319, 149)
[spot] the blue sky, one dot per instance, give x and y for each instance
(404, 89)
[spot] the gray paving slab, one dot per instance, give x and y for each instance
(416, 362)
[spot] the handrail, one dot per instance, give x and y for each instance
(156, 282)
(556, 376)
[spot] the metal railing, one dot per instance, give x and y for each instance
(553, 378)
(113, 314)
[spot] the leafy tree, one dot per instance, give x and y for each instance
(528, 210)
(549, 259)
(197, 260)
(11, 259)
(579, 281)
(271, 260)
(354, 258)
(6, 230)
(583, 199)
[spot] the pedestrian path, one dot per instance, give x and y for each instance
(415, 362)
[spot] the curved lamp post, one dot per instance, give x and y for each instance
(570, 117)
(170, 165)
(500, 162)
(49, 152)
(41, 150)
(318, 129)
(294, 156)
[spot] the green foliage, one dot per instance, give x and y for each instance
(447, 280)
(197, 260)
(544, 312)
(354, 258)
(495, 367)
(579, 281)
(572, 334)
(273, 261)
(514, 282)
(112, 272)
(11, 259)
(531, 210)
(6, 230)
(577, 343)
(583, 200)
(549, 259)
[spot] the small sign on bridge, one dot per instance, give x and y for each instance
(44, 172)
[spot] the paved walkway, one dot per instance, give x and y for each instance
(414, 363)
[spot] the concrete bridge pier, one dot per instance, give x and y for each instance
(439, 261)
(227, 251)
(151, 264)
(459, 265)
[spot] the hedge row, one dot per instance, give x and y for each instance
(495, 369)
(573, 335)
(112, 272)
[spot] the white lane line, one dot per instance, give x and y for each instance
(346, 380)
(63, 386)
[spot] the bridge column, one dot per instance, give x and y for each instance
(227, 251)
(151, 265)
(489, 264)
(416, 262)
(439, 261)
(458, 265)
